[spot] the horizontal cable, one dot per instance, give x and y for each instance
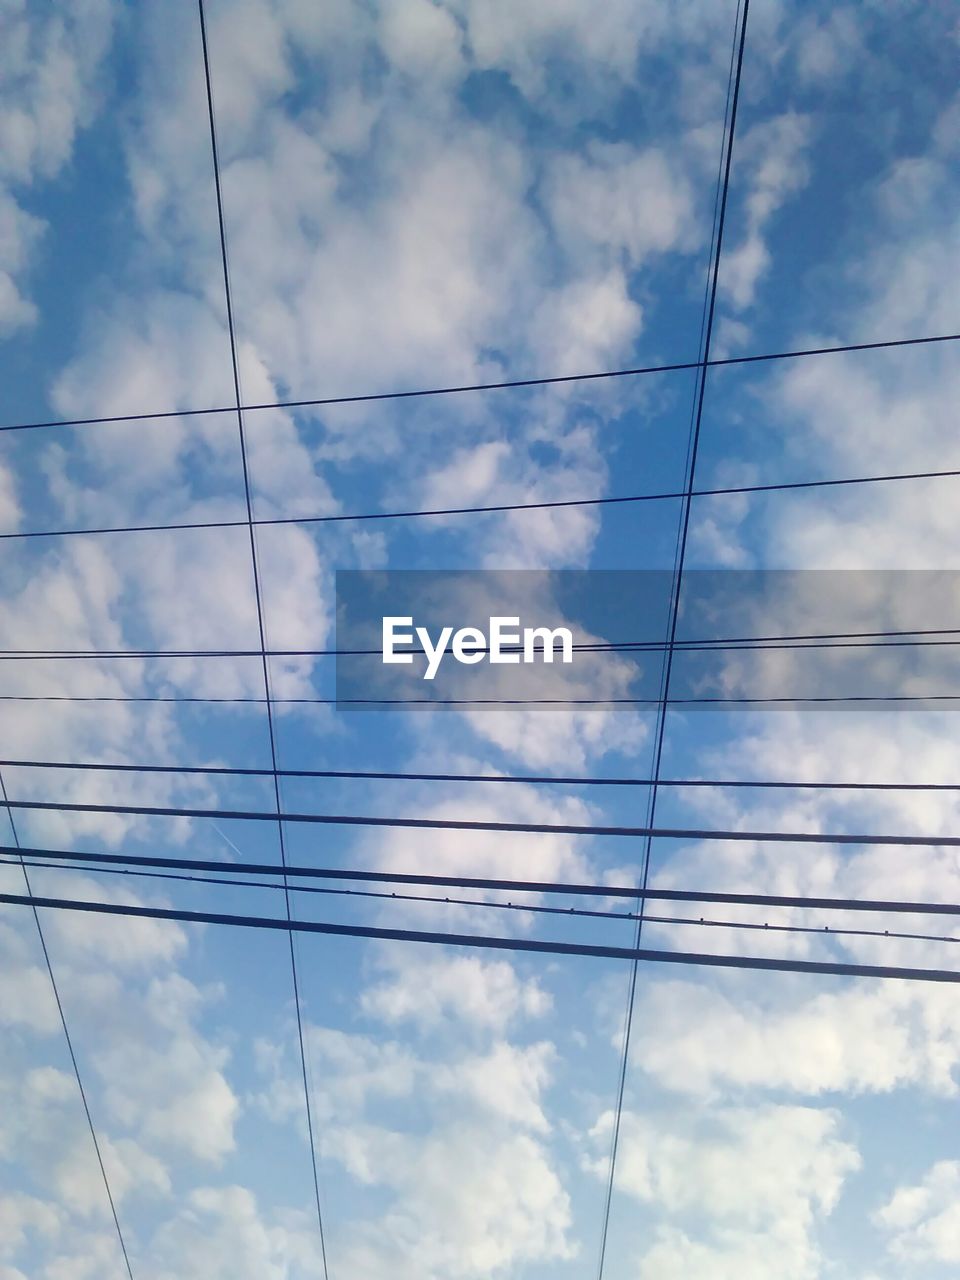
(779, 487)
(468, 824)
(527, 778)
(558, 380)
(486, 903)
(534, 945)
(561, 888)
(798, 700)
(736, 644)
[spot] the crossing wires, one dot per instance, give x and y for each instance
(265, 665)
(660, 729)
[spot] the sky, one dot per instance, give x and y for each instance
(415, 195)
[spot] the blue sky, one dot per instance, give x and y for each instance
(421, 194)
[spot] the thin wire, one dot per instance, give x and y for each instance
(722, 644)
(66, 1030)
(426, 703)
(263, 522)
(260, 624)
(470, 824)
(562, 888)
(660, 730)
(534, 945)
(529, 779)
(533, 908)
(562, 379)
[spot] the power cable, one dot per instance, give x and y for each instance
(829, 931)
(722, 644)
(48, 963)
(270, 521)
(562, 379)
(486, 883)
(527, 779)
(684, 524)
(513, 828)
(260, 623)
(532, 945)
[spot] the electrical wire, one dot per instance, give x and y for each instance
(68, 1039)
(528, 779)
(678, 495)
(560, 888)
(532, 945)
(513, 828)
(734, 644)
(485, 903)
(260, 619)
(560, 380)
(684, 524)
(787, 700)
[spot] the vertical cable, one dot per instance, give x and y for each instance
(660, 730)
(66, 1034)
(260, 624)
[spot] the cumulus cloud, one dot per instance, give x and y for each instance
(49, 68)
(773, 156)
(864, 1039)
(763, 1179)
(222, 1232)
(923, 1220)
(426, 989)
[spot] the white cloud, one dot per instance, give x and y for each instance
(507, 1080)
(21, 1215)
(620, 204)
(586, 324)
(427, 990)
(19, 233)
(24, 983)
(10, 509)
(505, 1206)
(773, 155)
(48, 70)
(77, 1179)
(421, 39)
(222, 1233)
(174, 1092)
(865, 1038)
(923, 1220)
(757, 1177)
(764, 1165)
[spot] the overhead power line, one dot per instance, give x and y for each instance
(683, 529)
(531, 945)
(248, 501)
(525, 778)
(18, 859)
(532, 908)
(913, 638)
(787, 700)
(513, 383)
(682, 494)
(491, 884)
(470, 824)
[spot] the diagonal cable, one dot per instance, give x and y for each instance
(783, 486)
(66, 1031)
(539, 946)
(260, 623)
(707, 334)
(420, 393)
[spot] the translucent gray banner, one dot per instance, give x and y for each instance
(824, 639)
